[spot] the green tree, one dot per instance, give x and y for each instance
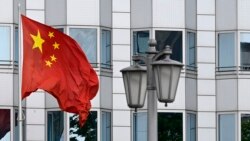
(88, 131)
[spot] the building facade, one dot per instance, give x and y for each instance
(210, 37)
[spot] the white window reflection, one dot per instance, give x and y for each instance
(191, 51)
(140, 126)
(5, 44)
(191, 127)
(106, 126)
(87, 39)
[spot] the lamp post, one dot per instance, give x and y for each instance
(160, 75)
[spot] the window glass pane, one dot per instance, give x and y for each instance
(140, 42)
(88, 132)
(55, 126)
(172, 38)
(226, 51)
(106, 126)
(245, 127)
(140, 126)
(4, 45)
(16, 45)
(5, 125)
(170, 127)
(106, 49)
(227, 127)
(191, 51)
(191, 127)
(245, 51)
(87, 39)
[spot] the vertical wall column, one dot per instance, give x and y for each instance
(121, 59)
(206, 70)
(35, 103)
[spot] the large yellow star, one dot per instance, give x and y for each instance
(38, 41)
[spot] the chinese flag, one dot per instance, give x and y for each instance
(54, 62)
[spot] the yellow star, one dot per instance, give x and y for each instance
(51, 35)
(53, 58)
(38, 41)
(48, 63)
(56, 45)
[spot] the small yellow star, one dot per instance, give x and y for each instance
(53, 58)
(48, 63)
(56, 45)
(38, 41)
(51, 35)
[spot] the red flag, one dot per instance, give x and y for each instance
(4, 122)
(55, 63)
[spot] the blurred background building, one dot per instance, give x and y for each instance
(210, 37)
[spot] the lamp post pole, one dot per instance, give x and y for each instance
(152, 129)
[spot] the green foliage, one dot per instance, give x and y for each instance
(89, 130)
(170, 127)
(245, 129)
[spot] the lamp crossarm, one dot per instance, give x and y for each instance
(138, 58)
(165, 52)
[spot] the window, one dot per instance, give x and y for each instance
(106, 49)
(87, 39)
(191, 127)
(170, 127)
(173, 39)
(4, 124)
(191, 51)
(226, 51)
(245, 51)
(245, 127)
(55, 126)
(16, 45)
(88, 132)
(5, 44)
(106, 126)
(140, 126)
(227, 127)
(140, 42)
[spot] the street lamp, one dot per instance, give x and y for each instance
(160, 73)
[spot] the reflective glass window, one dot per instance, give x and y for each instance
(226, 52)
(173, 39)
(106, 126)
(106, 49)
(16, 45)
(191, 127)
(227, 127)
(89, 130)
(140, 126)
(170, 127)
(87, 39)
(245, 51)
(140, 42)
(55, 126)
(191, 51)
(5, 44)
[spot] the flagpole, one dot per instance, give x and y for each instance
(20, 112)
